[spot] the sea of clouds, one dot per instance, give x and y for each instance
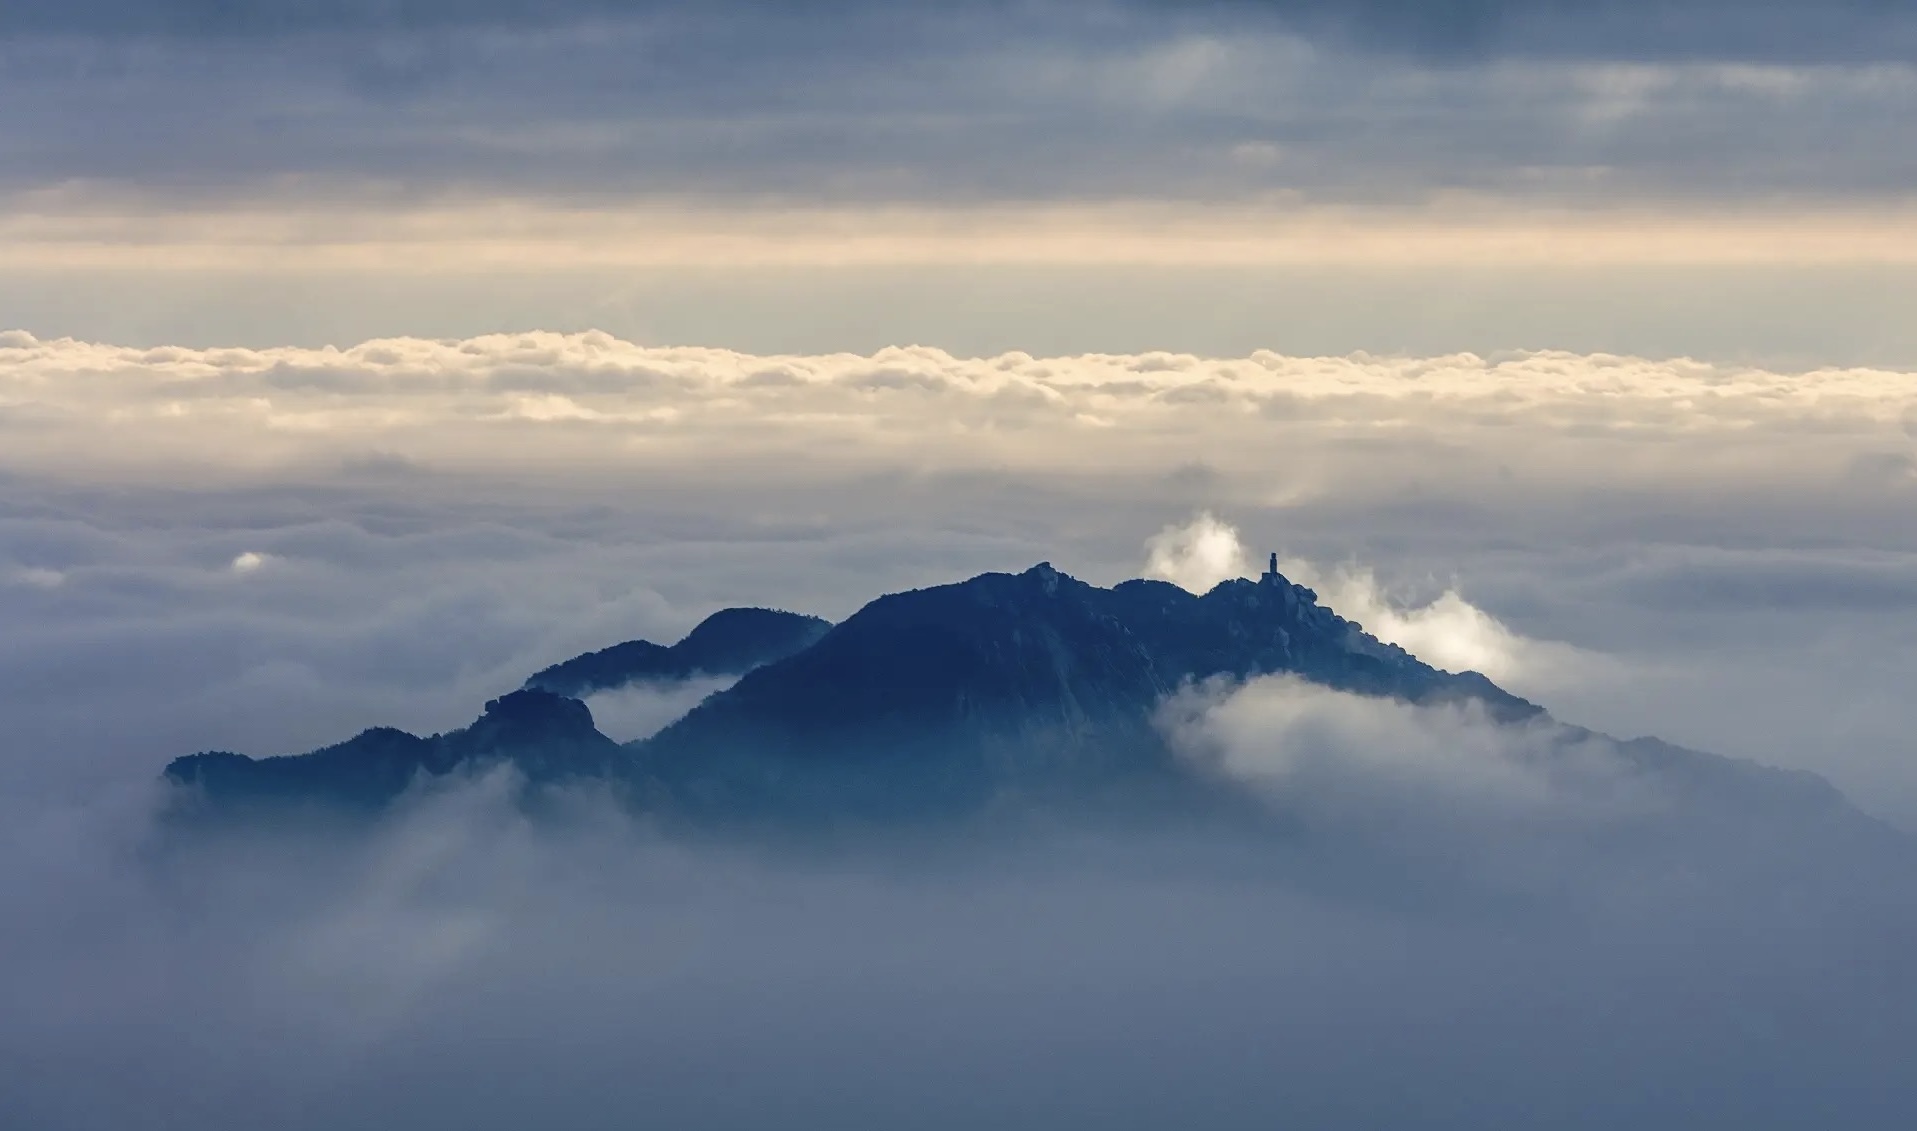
(267, 550)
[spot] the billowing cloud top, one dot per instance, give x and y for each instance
(592, 397)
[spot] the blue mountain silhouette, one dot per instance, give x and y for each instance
(935, 701)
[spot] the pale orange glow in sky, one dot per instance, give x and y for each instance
(531, 234)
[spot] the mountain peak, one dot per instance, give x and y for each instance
(729, 642)
(946, 695)
(1046, 576)
(538, 715)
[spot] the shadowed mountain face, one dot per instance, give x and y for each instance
(729, 642)
(943, 698)
(942, 701)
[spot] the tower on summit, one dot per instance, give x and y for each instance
(1271, 573)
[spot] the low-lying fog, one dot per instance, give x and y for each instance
(460, 967)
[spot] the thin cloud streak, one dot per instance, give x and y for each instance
(67, 232)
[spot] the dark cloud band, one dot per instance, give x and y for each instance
(1763, 30)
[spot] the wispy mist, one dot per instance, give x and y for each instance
(459, 965)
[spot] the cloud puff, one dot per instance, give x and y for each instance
(1197, 555)
(1449, 632)
(1446, 631)
(640, 710)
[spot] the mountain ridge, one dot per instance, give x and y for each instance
(547, 736)
(731, 641)
(938, 701)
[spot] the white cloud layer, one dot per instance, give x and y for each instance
(1550, 419)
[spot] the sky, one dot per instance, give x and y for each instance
(1701, 178)
(359, 358)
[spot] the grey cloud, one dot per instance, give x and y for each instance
(1768, 30)
(961, 103)
(1793, 580)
